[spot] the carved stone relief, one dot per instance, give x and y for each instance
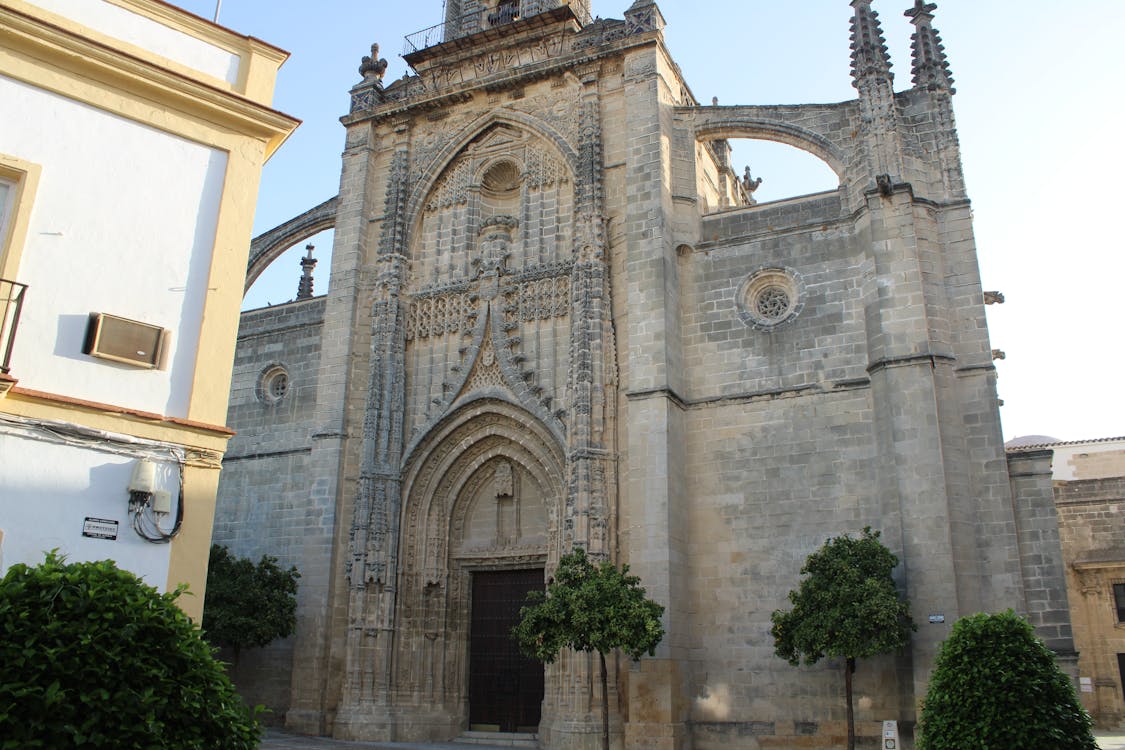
(483, 491)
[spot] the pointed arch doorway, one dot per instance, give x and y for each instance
(484, 496)
(505, 687)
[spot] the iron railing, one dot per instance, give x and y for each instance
(471, 23)
(11, 303)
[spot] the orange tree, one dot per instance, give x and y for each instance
(846, 607)
(590, 607)
(248, 605)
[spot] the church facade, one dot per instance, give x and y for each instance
(558, 318)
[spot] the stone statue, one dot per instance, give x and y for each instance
(750, 185)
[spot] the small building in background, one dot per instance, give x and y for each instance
(1089, 481)
(132, 141)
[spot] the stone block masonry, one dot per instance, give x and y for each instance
(557, 319)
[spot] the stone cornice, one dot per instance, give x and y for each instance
(493, 66)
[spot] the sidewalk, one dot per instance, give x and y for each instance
(1110, 740)
(275, 740)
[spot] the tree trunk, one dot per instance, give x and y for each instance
(849, 668)
(605, 703)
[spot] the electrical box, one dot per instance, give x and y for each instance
(162, 501)
(144, 477)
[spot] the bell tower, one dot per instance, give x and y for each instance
(465, 17)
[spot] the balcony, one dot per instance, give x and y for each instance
(482, 20)
(11, 303)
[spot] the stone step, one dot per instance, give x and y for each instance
(527, 740)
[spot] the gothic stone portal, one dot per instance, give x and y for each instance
(481, 507)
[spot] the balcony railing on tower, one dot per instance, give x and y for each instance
(486, 18)
(11, 303)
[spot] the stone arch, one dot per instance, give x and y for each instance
(269, 246)
(433, 456)
(718, 126)
(441, 466)
(445, 478)
(434, 172)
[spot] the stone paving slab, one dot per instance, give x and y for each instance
(1111, 741)
(275, 740)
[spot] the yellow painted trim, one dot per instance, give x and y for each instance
(25, 176)
(214, 364)
(210, 440)
(259, 61)
(251, 52)
(53, 58)
(188, 556)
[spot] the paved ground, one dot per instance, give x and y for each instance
(275, 740)
(1115, 741)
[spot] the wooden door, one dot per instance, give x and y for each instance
(505, 687)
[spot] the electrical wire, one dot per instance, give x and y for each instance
(145, 519)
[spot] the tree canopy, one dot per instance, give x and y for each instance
(248, 605)
(589, 607)
(90, 656)
(846, 607)
(996, 685)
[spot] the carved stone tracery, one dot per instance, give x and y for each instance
(482, 491)
(506, 285)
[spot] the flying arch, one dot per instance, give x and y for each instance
(269, 246)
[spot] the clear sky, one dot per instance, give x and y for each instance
(1040, 106)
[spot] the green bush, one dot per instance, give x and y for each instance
(996, 686)
(92, 657)
(248, 605)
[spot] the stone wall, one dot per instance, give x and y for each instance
(530, 279)
(1090, 513)
(264, 482)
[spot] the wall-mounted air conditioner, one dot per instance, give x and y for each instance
(127, 341)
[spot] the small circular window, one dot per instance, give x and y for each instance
(273, 384)
(773, 303)
(770, 297)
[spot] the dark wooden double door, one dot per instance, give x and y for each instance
(505, 687)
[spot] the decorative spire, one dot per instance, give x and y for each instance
(931, 68)
(869, 48)
(643, 16)
(373, 68)
(305, 285)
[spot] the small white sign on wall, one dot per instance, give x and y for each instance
(99, 528)
(890, 735)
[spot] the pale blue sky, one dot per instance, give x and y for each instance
(1040, 107)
